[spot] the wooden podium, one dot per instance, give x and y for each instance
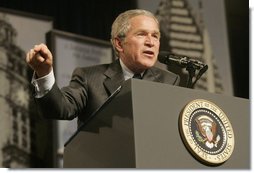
(139, 128)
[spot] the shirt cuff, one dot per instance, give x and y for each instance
(43, 85)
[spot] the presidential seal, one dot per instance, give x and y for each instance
(206, 132)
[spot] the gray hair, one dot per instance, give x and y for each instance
(121, 24)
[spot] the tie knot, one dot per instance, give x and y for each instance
(137, 76)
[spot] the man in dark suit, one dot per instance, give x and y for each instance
(135, 37)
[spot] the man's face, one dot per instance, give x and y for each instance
(140, 48)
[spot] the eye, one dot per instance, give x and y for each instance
(141, 34)
(156, 36)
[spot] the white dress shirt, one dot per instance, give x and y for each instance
(44, 84)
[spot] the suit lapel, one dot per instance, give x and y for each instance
(151, 75)
(114, 77)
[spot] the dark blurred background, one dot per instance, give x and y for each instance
(93, 18)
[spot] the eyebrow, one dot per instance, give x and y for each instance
(144, 30)
(157, 32)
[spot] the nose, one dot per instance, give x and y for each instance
(149, 41)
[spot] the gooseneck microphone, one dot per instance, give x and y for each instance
(182, 61)
(191, 65)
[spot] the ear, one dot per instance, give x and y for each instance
(118, 44)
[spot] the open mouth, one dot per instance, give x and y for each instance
(150, 53)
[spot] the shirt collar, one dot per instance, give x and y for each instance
(127, 73)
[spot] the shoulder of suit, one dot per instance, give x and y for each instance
(162, 71)
(98, 68)
(166, 76)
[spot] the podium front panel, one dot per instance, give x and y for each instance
(158, 142)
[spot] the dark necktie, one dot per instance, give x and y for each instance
(137, 76)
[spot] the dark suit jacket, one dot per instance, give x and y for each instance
(89, 88)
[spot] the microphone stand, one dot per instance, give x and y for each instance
(191, 71)
(191, 68)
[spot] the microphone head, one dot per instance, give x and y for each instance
(163, 55)
(168, 59)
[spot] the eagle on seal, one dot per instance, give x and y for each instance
(208, 128)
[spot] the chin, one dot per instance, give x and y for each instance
(148, 65)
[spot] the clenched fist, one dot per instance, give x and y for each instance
(40, 60)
